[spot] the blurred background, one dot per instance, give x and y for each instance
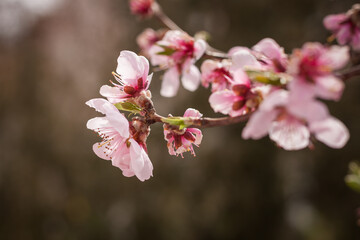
(55, 55)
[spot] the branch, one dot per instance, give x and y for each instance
(349, 73)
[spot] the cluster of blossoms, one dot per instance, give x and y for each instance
(278, 93)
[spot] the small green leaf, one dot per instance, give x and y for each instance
(266, 77)
(167, 51)
(177, 121)
(128, 106)
(353, 178)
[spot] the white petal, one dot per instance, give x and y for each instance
(170, 83)
(222, 101)
(331, 131)
(290, 134)
(200, 48)
(259, 124)
(243, 58)
(329, 87)
(191, 78)
(130, 65)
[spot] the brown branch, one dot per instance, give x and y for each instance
(215, 122)
(349, 73)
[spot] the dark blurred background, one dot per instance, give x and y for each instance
(55, 55)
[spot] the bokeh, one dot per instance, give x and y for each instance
(55, 55)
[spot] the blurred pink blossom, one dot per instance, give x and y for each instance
(217, 73)
(290, 122)
(344, 29)
(178, 52)
(141, 7)
(312, 69)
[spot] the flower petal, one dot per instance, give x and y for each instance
(113, 94)
(200, 48)
(332, 22)
(222, 101)
(259, 124)
(170, 83)
(191, 112)
(191, 78)
(131, 67)
(140, 162)
(331, 131)
(290, 134)
(329, 87)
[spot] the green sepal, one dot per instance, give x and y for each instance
(266, 77)
(128, 106)
(353, 178)
(167, 51)
(177, 121)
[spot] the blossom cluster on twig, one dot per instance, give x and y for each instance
(279, 94)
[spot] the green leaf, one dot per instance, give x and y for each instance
(167, 51)
(353, 178)
(176, 121)
(266, 77)
(128, 106)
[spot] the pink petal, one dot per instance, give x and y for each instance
(170, 83)
(233, 50)
(336, 57)
(259, 124)
(99, 105)
(332, 22)
(100, 151)
(200, 48)
(240, 77)
(329, 87)
(131, 67)
(191, 112)
(113, 94)
(157, 60)
(243, 58)
(355, 43)
(140, 162)
(198, 135)
(331, 131)
(275, 99)
(300, 90)
(208, 66)
(191, 78)
(117, 120)
(222, 101)
(309, 110)
(343, 36)
(290, 134)
(270, 49)
(98, 123)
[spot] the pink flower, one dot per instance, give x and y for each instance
(273, 55)
(217, 73)
(265, 55)
(118, 145)
(148, 38)
(290, 122)
(132, 74)
(239, 99)
(344, 29)
(312, 69)
(177, 52)
(180, 141)
(141, 7)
